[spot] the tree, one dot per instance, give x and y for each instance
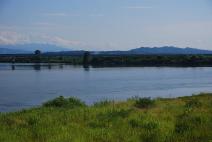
(37, 56)
(37, 52)
(86, 58)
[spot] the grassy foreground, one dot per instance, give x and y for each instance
(184, 119)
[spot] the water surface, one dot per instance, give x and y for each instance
(27, 85)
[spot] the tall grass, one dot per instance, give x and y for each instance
(185, 119)
(144, 102)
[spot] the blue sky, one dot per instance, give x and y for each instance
(107, 24)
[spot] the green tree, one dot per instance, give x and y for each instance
(86, 58)
(37, 52)
(37, 56)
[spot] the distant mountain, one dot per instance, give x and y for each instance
(168, 50)
(12, 51)
(30, 48)
(66, 53)
(56, 50)
(155, 50)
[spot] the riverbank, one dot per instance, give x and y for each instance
(114, 60)
(183, 119)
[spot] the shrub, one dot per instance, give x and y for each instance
(134, 123)
(111, 115)
(150, 125)
(182, 126)
(144, 103)
(64, 102)
(187, 122)
(193, 103)
(152, 132)
(103, 103)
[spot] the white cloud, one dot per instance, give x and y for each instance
(10, 37)
(59, 41)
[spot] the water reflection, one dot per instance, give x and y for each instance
(37, 66)
(49, 66)
(86, 67)
(61, 66)
(13, 67)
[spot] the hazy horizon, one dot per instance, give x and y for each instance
(107, 24)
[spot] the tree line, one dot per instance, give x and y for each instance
(87, 59)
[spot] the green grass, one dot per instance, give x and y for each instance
(184, 119)
(62, 102)
(144, 102)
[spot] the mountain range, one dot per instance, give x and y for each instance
(169, 50)
(53, 49)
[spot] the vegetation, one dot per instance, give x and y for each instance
(144, 102)
(109, 60)
(153, 60)
(37, 52)
(184, 119)
(86, 58)
(75, 60)
(65, 103)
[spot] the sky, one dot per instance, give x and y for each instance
(107, 24)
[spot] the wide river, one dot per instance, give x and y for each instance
(28, 85)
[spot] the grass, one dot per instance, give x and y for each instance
(144, 102)
(184, 119)
(62, 102)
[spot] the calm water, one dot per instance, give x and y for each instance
(27, 85)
